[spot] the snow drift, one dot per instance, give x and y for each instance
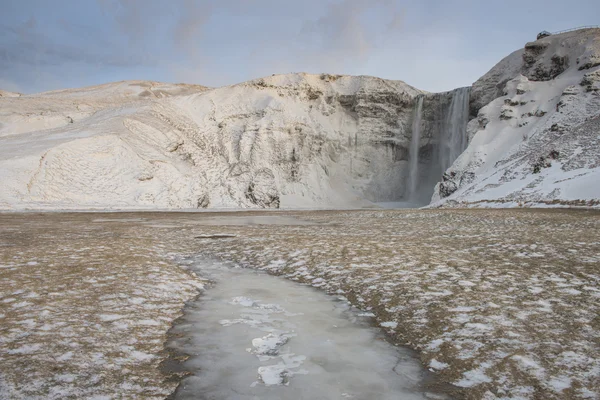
(301, 140)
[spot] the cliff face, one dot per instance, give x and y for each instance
(284, 141)
(441, 138)
(535, 137)
(302, 140)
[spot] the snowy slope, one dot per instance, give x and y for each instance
(284, 141)
(4, 93)
(301, 140)
(537, 142)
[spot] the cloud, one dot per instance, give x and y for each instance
(349, 31)
(192, 17)
(431, 44)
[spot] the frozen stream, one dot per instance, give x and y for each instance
(256, 336)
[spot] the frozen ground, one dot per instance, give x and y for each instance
(85, 304)
(499, 303)
(257, 336)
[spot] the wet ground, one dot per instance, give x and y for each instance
(498, 303)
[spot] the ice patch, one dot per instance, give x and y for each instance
(435, 364)
(389, 324)
(26, 349)
(66, 356)
(473, 378)
(273, 375)
(462, 309)
(243, 301)
(269, 345)
(315, 347)
(109, 317)
(559, 384)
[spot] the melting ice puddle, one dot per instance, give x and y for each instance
(256, 336)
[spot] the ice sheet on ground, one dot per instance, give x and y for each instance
(258, 336)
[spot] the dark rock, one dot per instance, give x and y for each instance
(447, 188)
(203, 201)
(466, 178)
(347, 100)
(262, 190)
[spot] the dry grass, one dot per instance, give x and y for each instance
(499, 302)
(84, 307)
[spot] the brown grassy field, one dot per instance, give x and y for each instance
(499, 303)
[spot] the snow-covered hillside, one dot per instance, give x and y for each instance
(301, 140)
(284, 141)
(536, 138)
(4, 93)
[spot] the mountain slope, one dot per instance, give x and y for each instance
(302, 140)
(284, 141)
(537, 142)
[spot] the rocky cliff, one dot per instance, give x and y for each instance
(294, 140)
(535, 138)
(302, 140)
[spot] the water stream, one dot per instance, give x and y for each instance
(256, 336)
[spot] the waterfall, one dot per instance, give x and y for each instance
(445, 128)
(413, 157)
(453, 140)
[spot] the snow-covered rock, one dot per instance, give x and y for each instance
(293, 140)
(4, 93)
(302, 140)
(537, 140)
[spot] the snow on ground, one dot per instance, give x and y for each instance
(84, 309)
(503, 304)
(499, 303)
(5, 93)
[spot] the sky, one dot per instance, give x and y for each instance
(434, 45)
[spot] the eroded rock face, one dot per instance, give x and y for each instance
(491, 85)
(536, 65)
(320, 139)
(542, 60)
(591, 81)
(262, 190)
(295, 140)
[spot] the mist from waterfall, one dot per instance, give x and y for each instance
(445, 127)
(413, 170)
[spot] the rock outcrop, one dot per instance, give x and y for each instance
(294, 140)
(302, 140)
(536, 140)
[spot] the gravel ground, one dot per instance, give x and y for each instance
(500, 303)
